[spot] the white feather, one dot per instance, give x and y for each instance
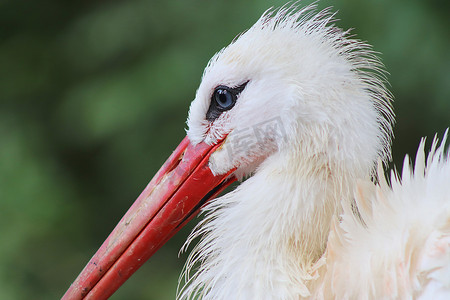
(332, 118)
(403, 249)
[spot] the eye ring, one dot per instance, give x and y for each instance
(224, 98)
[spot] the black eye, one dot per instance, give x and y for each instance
(223, 99)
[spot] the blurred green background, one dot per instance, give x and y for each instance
(94, 96)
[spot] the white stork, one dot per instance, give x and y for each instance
(301, 108)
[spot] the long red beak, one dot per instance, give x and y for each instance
(176, 193)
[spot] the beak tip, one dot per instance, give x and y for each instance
(185, 181)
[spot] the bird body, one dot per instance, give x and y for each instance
(398, 247)
(300, 108)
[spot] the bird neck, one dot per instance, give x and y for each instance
(266, 236)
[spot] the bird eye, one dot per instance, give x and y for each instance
(224, 98)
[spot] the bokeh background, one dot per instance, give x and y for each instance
(94, 97)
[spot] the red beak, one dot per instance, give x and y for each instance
(175, 195)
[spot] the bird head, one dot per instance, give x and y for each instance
(292, 84)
